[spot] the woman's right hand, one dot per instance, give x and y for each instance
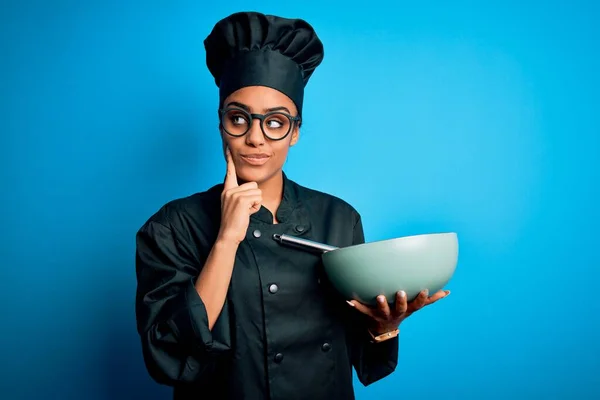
(238, 203)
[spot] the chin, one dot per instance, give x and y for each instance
(254, 174)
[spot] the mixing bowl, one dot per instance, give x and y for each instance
(410, 263)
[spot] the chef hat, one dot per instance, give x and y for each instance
(253, 49)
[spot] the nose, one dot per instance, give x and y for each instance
(255, 136)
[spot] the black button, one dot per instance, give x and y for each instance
(300, 228)
(273, 288)
(278, 358)
(326, 347)
(256, 233)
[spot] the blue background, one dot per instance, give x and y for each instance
(474, 117)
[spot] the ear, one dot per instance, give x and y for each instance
(295, 136)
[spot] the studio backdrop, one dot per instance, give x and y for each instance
(477, 118)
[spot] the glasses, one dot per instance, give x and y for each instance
(275, 125)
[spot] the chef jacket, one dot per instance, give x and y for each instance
(284, 332)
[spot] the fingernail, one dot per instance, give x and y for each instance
(380, 299)
(426, 292)
(350, 303)
(447, 292)
(402, 293)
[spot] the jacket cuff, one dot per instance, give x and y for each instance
(190, 322)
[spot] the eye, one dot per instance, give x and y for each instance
(238, 119)
(274, 123)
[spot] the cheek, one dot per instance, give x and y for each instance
(227, 140)
(281, 150)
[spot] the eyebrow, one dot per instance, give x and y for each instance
(246, 108)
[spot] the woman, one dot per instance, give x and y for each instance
(221, 307)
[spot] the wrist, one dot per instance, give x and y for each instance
(379, 329)
(378, 338)
(226, 245)
(227, 241)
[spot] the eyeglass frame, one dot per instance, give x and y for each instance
(261, 118)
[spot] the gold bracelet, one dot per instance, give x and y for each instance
(384, 336)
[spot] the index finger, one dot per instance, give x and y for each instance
(231, 176)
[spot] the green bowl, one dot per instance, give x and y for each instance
(411, 263)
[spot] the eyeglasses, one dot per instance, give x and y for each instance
(275, 125)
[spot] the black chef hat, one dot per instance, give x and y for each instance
(253, 49)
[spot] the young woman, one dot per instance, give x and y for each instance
(223, 310)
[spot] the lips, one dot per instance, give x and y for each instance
(259, 155)
(255, 159)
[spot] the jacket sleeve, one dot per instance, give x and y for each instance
(372, 361)
(177, 345)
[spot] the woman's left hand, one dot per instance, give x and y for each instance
(386, 317)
